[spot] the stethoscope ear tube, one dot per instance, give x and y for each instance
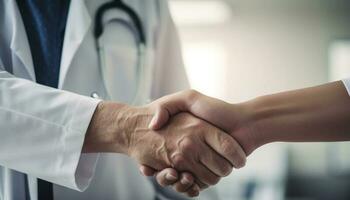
(141, 90)
(118, 4)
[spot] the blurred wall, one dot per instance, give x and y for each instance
(268, 46)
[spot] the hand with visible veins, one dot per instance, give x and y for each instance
(217, 112)
(320, 113)
(185, 143)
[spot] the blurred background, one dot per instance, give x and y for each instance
(239, 49)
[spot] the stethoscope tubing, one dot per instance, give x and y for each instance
(141, 46)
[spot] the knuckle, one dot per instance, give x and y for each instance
(196, 122)
(197, 126)
(187, 145)
(192, 95)
(227, 147)
(189, 177)
(200, 127)
(178, 161)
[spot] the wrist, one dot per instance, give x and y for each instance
(260, 112)
(134, 122)
(252, 126)
(109, 129)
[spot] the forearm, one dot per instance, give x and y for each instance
(111, 127)
(98, 137)
(319, 113)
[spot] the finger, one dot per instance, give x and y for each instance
(205, 176)
(215, 111)
(216, 163)
(146, 170)
(193, 164)
(171, 105)
(167, 177)
(193, 191)
(226, 146)
(185, 182)
(202, 106)
(160, 118)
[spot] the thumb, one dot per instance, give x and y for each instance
(169, 106)
(160, 118)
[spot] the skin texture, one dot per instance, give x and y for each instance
(186, 143)
(313, 114)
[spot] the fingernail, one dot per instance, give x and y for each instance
(185, 181)
(151, 124)
(196, 188)
(170, 177)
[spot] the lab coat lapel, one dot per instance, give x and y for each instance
(78, 24)
(19, 41)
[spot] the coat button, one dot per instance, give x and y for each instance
(95, 95)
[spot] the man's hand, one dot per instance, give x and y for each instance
(230, 118)
(185, 143)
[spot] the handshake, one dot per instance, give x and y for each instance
(190, 141)
(187, 140)
(207, 138)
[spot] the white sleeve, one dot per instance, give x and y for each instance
(347, 84)
(43, 131)
(170, 74)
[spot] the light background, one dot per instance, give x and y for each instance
(239, 49)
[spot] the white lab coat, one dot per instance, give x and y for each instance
(42, 129)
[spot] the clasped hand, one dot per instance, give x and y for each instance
(199, 153)
(179, 138)
(188, 144)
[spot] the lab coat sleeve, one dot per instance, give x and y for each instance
(347, 84)
(42, 131)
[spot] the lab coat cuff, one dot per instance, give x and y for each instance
(80, 166)
(347, 84)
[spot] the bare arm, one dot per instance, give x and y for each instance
(186, 143)
(320, 113)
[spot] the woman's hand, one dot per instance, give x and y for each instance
(315, 114)
(234, 119)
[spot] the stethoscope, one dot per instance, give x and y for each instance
(140, 38)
